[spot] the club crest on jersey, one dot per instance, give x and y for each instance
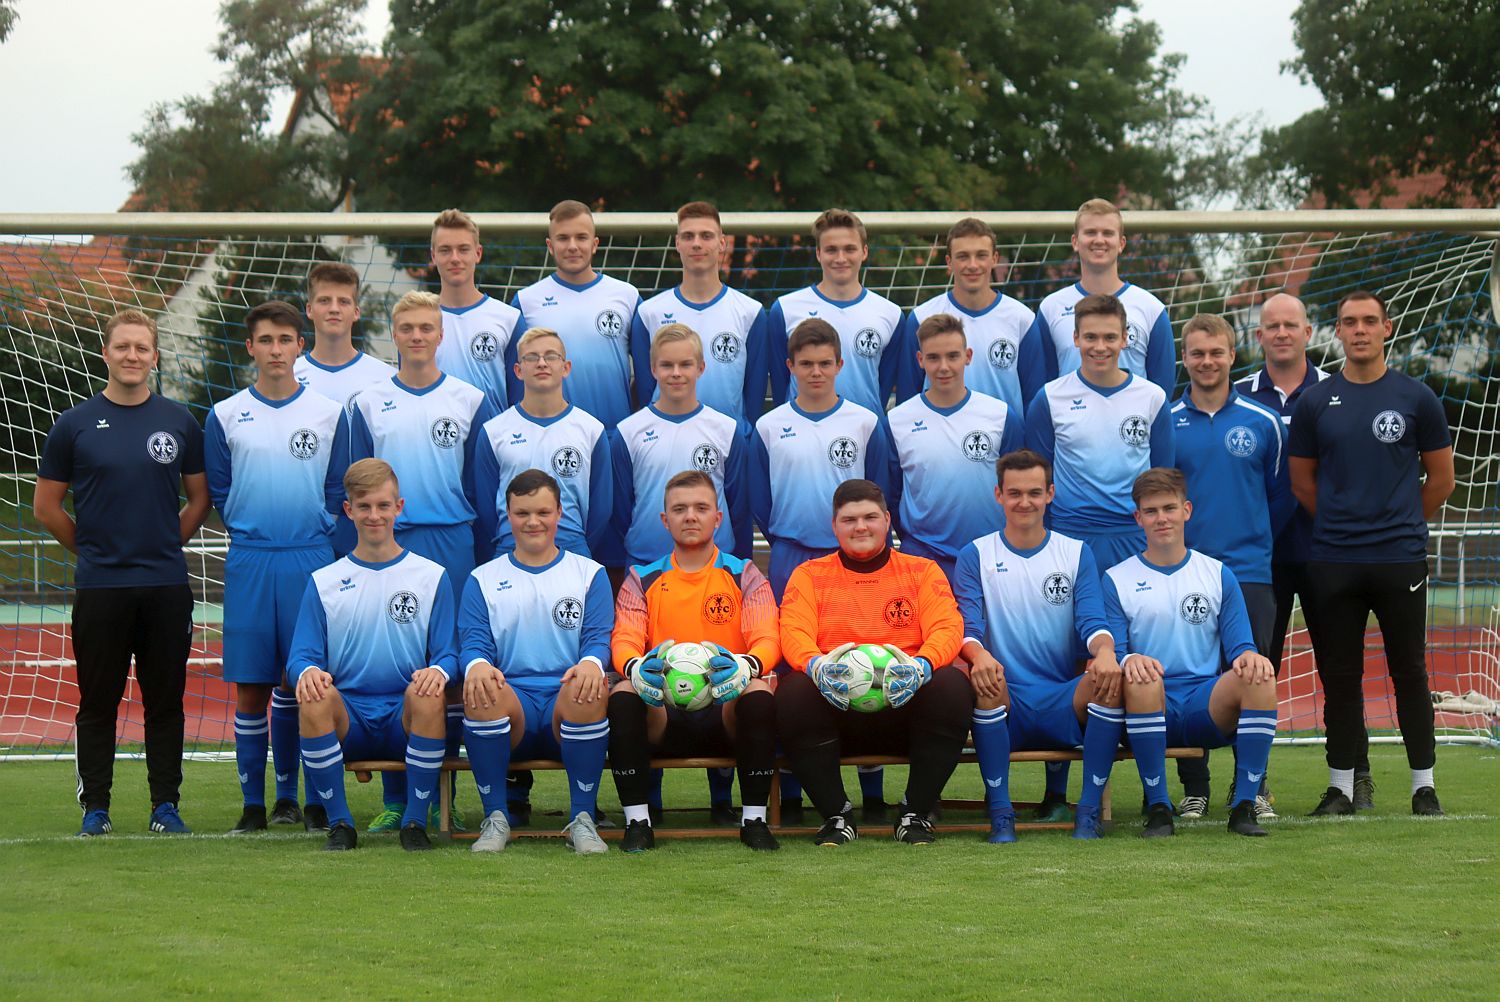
(1389, 426)
(403, 607)
(1135, 431)
(484, 346)
(725, 347)
(567, 613)
(610, 324)
(978, 446)
(900, 611)
(1134, 334)
(867, 342)
(162, 447)
(1002, 353)
(706, 458)
(1195, 609)
(445, 433)
(1057, 588)
(567, 461)
(718, 609)
(1240, 441)
(843, 453)
(304, 443)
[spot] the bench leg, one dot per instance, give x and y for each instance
(1106, 813)
(445, 802)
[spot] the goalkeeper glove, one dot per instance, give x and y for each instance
(831, 675)
(730, 672)
(904, 676)
(647, 673)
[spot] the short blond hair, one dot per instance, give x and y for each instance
(1097, 207)
(454, 219)
(939, 324)
(839, 219)
(129, 318)
(365, 475)
(1211, 324)
(536, 334)
(416, 300)
(568, 208)
(669, 333)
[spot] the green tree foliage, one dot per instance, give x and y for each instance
(7, 18)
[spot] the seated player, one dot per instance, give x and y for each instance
(868, 593)
(703, 596)
(534, 632)
(371, 656)
(1177, 613)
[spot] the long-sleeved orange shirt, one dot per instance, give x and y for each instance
(898, 599)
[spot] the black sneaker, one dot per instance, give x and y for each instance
(520, 813)
(913, 829)
(1333, 803)
(1054, 809)
(757, 835)
(1242, 820)
(723, 814)
(286, 812)
(837, 830)
(315, 818)
(252, 819)
(792, 811)
(414, 838)
(341, 837)
(1425, 803)
(1364, 791)
(874, 811)
(1158, 822)
(639, 836)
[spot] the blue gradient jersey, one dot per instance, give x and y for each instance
(476, 347)
(572, 447)
(1294, 541)
(944, 490)
(868, 326)
(276, 467)
(1099, 440)
(1190, 616)
(534, 623)
(340, 383)
(595, 321)
(1008, 362)
(1031, 609)
(428, 437)
(733, 329)
(372, 626)
(1149, 349)
(800, 458)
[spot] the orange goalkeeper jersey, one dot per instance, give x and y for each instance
(899, 599)
(728, 602)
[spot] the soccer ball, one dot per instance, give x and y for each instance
(867, 676)
(687, 676)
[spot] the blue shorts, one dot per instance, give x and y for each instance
(375, 729)
(1189, 724)
(263, 592)
(1109, 548)
(1041, 716)
(785, 556)
(451, 546)
(539, 704)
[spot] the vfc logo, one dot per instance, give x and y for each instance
(900, 612)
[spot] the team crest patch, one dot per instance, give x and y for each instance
(978, 446)
(1195, 609)
(162, 447)
(867, 342)
(484, 346)
(718, 609)
(706, 458)
(724, 346)
(1389, 426)
(403, 607)
(1135, 431)
(1057, 588)
(1002, 353)
(1134, 334)
(567, 462)
(304, 443)
(843, 453)
(445, 433)
(900, 611)
(610, 324)
(1240, 441)
(567, 613)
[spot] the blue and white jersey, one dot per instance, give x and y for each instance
(733, 329)
(1031, 609)
(534, 623)
(945, 490)
(1235, 465)
(572, 447)
(1099, 440)
(595, 322)
(1294, 541)
(1149, 350)
(649, 448)
(868, 325)
(1007, 363)
(476, 347)
(428, 437)
(1190, 616)
(800, 460)
(339, 383)
(372, 626)
(276, 467)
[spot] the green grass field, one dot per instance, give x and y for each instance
(1382, 905)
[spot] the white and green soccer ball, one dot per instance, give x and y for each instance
(867, 664)
(687, 676)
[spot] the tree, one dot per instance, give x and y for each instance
(1408, 88)
(7, 18)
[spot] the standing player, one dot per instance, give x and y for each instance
(123, 453)
(705, 596)
(593, 313)
(275, 455)
(334, 367)
(947, 439)
(732, 324)
(1099, 239)
(477, 330)
(372, 653)
(535, 628)
(1011, 363)
(1359, 440)
(867, 323)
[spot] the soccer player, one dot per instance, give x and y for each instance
(275, 455)
(1232, 452)
(732, 324)
(1099, 239)
(477, 330)
(1358, 442)
(1100, 427)
(947, 439)
(1011, 366)
(677, 433)
(593, 313)
(372, 653)
(705, 596)
(124, 452)
(867, 593)
(534, 628)
(1177, 613)
(1030, 598)
(867, 322)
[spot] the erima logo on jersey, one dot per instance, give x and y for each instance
(483, 346)
(787, 433)
(812, 313)
(1079, 405)
(102, 424)
(244, 418)
(503, 586)
(1141, 586)
(387, 406)
(549, 301)
(568, 613)
(403, 607)
(445, 433)
(1389, 426)
(1195, 609)
(1068, 310)
(666, 316)
(650, 436)
(517, 438)
(162, 447)
(303, 444)
(347, 584)
(725, 347)
(567, 462)
(1002, 353)
(1240, 441)
(1000, 568)
(609, 323)
(1334, 401)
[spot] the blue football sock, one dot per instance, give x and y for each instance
(583, 749)
(489, 756)
(1101, 739)
(791, 789)
(1057, 779)
(720, 786)
(992, 746)
(286, 745)
(424, 763)
(454, 741)
(323, 759)
(1148, 743)
(1252, 742)
(653, 798)
(872, 782)
(393, 789)
(252, 737)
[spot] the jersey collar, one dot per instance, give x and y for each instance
(537, 570)
(676, 418)
(358, 355)
(1106, 391)
(1117, 293)
(1047, 538)
(276, 403)
(543, 421)
(598, 277)
(1186, 400)
(459, 311)
(840, 303)
(380, 566)
(999, 298)
(424, 390)
(816, 415)
(947, 411)
(723, 291)
(1169, 569)
(870, 566)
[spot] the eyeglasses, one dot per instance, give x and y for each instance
(551, 358)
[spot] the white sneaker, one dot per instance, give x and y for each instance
(1192, 808)
(583, 836)
(494, 833)
(1263, 809)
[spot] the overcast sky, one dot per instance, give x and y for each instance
(79, 76)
